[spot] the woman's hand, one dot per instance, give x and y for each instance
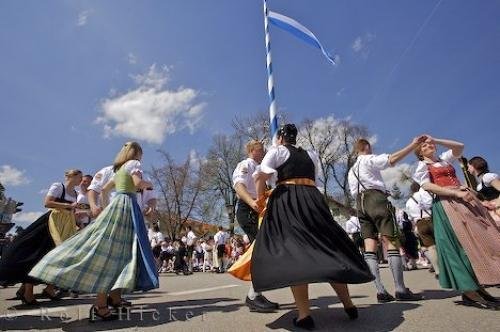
(419, 139)
(489, 205)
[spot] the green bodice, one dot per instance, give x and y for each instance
(124, 182)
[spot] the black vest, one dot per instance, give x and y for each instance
(298, 165)
(488, 193)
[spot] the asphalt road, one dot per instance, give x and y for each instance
(215, 302)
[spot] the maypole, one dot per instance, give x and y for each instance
(273, 119)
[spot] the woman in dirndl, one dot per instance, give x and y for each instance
(48, 231)
(299, 242)
(467, 238)
(111, 254)
(488, 186)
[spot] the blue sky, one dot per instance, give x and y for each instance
(186, 68)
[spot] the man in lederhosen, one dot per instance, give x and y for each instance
(376, 214)
(419, 209)
(247, 215)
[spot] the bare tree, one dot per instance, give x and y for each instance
(256, 127)
(222, 158)
(333, 140)
(179, 186)
(349, 133)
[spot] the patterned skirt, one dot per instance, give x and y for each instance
(468, 244)
(111, 253)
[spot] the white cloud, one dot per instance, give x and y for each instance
(151, 111)
(24, 219)
(82, 18)
(361, 44)
(10, 176)
(357, 45)
(132, 58)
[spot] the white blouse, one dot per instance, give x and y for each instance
(133, 167)
(277, 155)
(421, 174)
(487, 179)
(56, 190)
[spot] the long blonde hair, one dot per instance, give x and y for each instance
(129, 151)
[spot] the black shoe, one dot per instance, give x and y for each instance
(472, 303)
(306, 323)
(56, 297)
(384, 297)
(487, 296)
(273, 304)
(94, 313)
(352, 312)
(408, 296)
(259, 304)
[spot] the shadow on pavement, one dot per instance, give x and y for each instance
(439, 294)
(376, 317)
(146, 315)
(321, 302)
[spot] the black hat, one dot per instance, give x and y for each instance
(288, 132)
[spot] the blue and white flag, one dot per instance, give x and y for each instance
(300, 31)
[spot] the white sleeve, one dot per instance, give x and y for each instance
(448, 156)
(55, 190)
(133, 167)
(380, 161)
(421, 174)
(240, 173)
(425, 199)
(488, 178)
(98, 181)
(270, 161)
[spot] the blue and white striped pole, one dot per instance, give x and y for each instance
(273, 120)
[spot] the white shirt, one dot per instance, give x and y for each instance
(206, 247)
(56, 190)
(352, 225)
(101, 178)
(82, 198)
(421, 174)
(367, 168)
(157, 236)
(243, 174)
(220, 238)
(487, 179)
(191, 237)
(420, 206)
(277, 155)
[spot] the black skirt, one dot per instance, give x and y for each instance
(26, 251)
(300, 243)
